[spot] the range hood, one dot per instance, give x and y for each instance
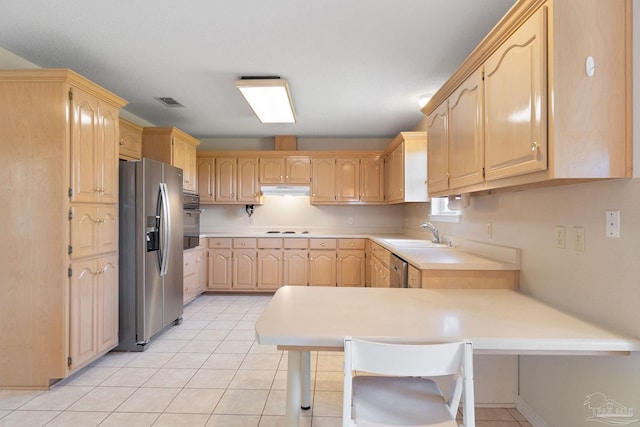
(285, 190)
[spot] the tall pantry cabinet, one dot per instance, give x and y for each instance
(59, 225)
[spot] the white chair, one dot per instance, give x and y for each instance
(390, 388)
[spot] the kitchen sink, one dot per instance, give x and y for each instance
(413, 243)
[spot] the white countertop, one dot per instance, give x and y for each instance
(430, 257)
(497, 321)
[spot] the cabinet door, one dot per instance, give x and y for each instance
(189, 275)
(178, 153)
(84, 146)
(219, 269)
(106, 162)
(269, 268)
(247, 184)
(351, 268)
(94, 230)
(201, 271)
(82, 313)
(372, 180)
(130, 140)
(295, 267)
(414, 277)
(322, 180)
(466, 141)
(347, 180)
(190, 174)
(244, 269)
(108, 229)
(395, 175)
(206, 180)
(515, 102)
(272, 170)
(298, 170)
(107, 303)
(438, 150)
(322, 268)
(225, 179)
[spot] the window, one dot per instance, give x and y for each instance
(440, 210)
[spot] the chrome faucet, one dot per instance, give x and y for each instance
(434, 230)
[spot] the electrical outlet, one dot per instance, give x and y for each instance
(350, 220)
(489, 230)
(561, 235)
(578, 243)
(613, 224)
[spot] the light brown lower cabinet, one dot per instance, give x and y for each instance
(414, 277)
(189, 275)
(244, 264)
(295, 267)
(93, 314)
(378, 259)
(266, 264)
(219, 269)
(269, 269)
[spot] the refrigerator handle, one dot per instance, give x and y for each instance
(166, 229)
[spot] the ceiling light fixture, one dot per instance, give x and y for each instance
(268, 97)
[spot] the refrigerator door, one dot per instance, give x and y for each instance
(150, 316)
(173, 286)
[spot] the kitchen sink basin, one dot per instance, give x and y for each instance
(414, 243)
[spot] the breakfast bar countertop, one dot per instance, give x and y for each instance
(421, 253)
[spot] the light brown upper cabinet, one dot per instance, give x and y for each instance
(555, 101)
(285, 170)
(175, 147)
(515, 131)
(406, 168)
(351, 178)
(205, 168)
(372, 179)
(130, 140)
(94, 150)
(236, 180)
(456, 154)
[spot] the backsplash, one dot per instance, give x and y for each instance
(298, 214)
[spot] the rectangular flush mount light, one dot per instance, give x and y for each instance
(269, 98)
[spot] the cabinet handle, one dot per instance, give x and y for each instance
(534, 146)
(287, 176)
(351, 244)
(242, 244)
(322, 244)
(121, 141)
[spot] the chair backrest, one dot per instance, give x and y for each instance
(423, 360)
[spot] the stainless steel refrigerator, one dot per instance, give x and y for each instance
(151, 234)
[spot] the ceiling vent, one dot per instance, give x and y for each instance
(169, 102)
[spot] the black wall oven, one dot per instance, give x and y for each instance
(192, 211)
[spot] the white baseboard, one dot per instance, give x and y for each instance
(532, 416)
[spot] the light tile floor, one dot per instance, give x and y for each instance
(208, 371)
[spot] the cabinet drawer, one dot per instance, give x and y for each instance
(269, 243)
(322, 243)
(351, 243)
(219, 243)
(244, 243)
(296, 243)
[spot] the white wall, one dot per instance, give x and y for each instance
(601, 284)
